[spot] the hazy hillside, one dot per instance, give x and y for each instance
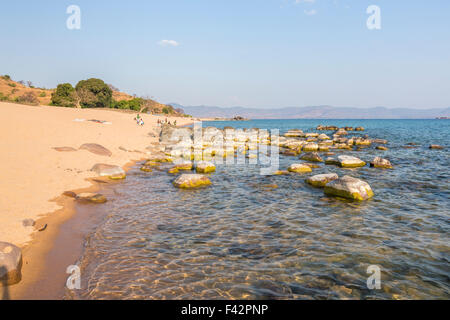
(317, 112)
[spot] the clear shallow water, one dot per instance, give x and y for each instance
(240, 240)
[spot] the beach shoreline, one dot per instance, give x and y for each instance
(28, 139)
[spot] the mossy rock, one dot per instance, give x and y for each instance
(311, 156)
(205, 167)
(189, 181)
(320, 180)
(350, 162)
(349, 188)
(146, 168)
(381, 163)
(299, 168)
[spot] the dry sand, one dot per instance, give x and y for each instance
(33, 174)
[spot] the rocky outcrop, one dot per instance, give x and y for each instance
(96, 149)
(381, 163)
(205, 167)
(188, 181)
(311, 156)
(350, 188)
(321, 180)
(350, 162)
(299, 168)
(10, 264)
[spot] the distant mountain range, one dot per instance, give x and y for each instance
(316, 112)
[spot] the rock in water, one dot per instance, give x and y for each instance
(381, 148)
(310, 146)
(436, 146)
(350, 188)
(10, 264)
(91, 197)
(205, 167)
(381, 163)
(350, 162)
(192, 180)
(311, 156)
(299, 168)
(146, 168)
(321, 180)
(96, 149)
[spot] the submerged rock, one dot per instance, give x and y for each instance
(205, 167)
(381, 163)
(321, 180)
(350, 188)
(436, 146)
(381, 148)
(96, 149)
(299, 168)
(91, 197)
(187, 181)
(350, 162)
(331, 161)
(311, 156)
(10, 264)
(280, 172)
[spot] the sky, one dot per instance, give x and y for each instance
(252, 53)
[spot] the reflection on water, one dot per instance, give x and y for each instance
(237, 240)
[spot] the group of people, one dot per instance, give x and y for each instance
(160, 122)
(139, 120)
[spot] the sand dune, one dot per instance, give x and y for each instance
(33, 173)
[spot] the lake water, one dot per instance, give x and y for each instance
(239, 240)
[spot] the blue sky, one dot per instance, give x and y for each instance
(254, 53)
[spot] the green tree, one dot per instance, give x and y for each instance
(94, 93)
(65, 96)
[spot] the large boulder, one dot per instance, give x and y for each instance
(350, 162)
(299, 168)
(321, 180)
(311, 156)
(381, 163)
(205, 167)
(187, 181)
(96, 149)
(350, 188)
(10, 264)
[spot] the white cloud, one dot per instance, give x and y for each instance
(166, 43)
(310, 12)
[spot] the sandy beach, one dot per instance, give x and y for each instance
(34, 174)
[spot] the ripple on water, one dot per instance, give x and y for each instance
(236, 240)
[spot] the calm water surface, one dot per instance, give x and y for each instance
(240, 240)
